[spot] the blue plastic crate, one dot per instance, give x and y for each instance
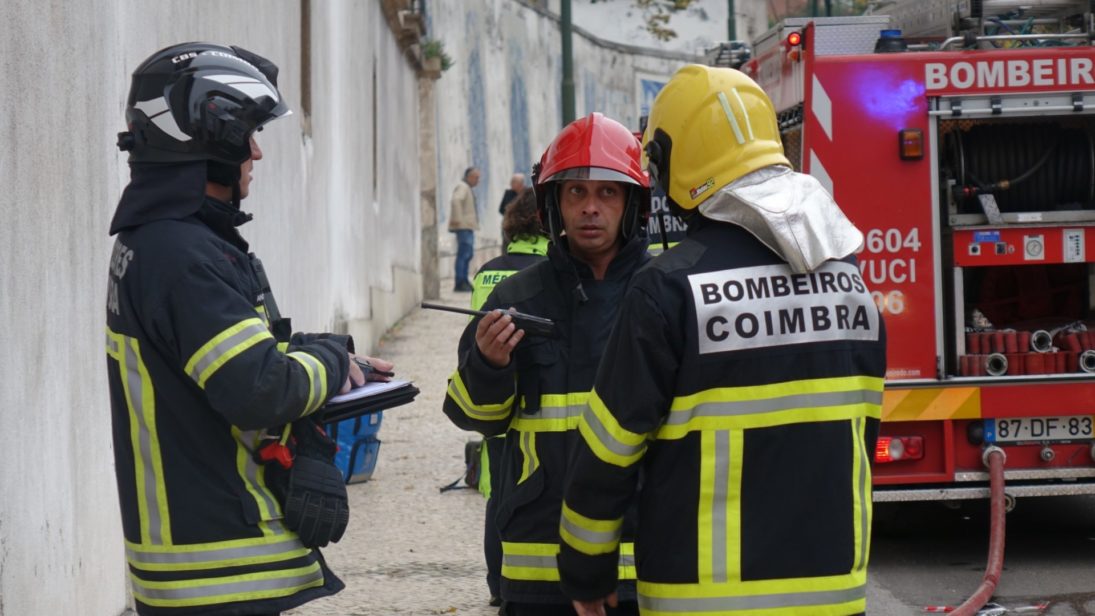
(358, 446)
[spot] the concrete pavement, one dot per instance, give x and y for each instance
(410, 549)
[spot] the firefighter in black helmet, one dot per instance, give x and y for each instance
(212, 396)
(743, 380)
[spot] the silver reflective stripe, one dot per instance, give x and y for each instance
(719, 605)
(251, 473)
(610, 442)
(730, 117)
(864, 497)
(227, 588)
(523, 560)
(606, 537)
(744, 113)
(530, 461)
(144, 442)
(468, 407)
(556, 412)
(111, 344)
(627, 560)
(719, 506)
(226, 345)
(773, 405)
(213, 555)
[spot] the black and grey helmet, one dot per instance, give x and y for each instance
(199, 101)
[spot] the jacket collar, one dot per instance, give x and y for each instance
(623, 264)
(528, 245)
(223, 218)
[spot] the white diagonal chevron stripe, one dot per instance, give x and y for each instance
(818, 171)
(822, 107)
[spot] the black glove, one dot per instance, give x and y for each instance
(316, 505)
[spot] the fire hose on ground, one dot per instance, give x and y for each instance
(994, 459)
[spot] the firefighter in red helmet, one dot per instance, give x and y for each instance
(593, 198)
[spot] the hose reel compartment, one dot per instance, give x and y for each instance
(1027, 166)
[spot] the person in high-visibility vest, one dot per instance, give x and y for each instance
(593, 199)
(742, 385)
(528, 245)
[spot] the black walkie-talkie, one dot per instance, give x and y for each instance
(532, 324)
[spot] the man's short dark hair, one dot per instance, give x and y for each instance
(468, 171)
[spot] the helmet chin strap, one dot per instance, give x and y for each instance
(555, 216)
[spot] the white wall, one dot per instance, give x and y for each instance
(340, 254)
(499, 106)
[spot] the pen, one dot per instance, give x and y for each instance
(366, 367)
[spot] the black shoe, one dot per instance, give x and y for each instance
(495, 601)
(462, 287)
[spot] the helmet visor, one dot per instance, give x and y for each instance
(591, 173)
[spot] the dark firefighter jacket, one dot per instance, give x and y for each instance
(520, 253)
(195, 376)
(538, 399)
(750, 398)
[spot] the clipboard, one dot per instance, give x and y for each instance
(372, 397)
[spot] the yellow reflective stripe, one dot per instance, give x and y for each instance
(530, 561)
(261, 309)
(557, 413)
(245, 587)
(221, 554)
(626, 568)
(253, 476)
(152, 511)
(606, 438)
(317, 379)
(733, 506)
(587, 535)
(762, 406)
(530, 461)
(655, 247)
(283, 347)
(832, 595)
(223, 347)
(861, 495)
(705, 514)
(458, 393)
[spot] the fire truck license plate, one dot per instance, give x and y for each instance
(1015, 429)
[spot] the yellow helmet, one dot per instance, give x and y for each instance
(708, 127)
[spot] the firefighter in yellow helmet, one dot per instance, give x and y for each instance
(742, 382)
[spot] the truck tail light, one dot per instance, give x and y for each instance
(911, 142)
(897, 448)
(794, 39)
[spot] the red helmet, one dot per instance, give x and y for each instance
(593, 148)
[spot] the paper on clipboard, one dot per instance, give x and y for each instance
(372, 388)
(372, 397)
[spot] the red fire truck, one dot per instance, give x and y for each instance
(969, 164)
